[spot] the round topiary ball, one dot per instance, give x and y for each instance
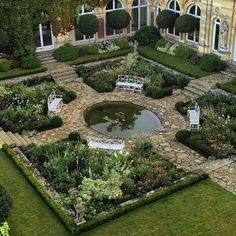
(185, 24)
(6, 203)
(88, 24)
(4, 41)
(166, 19)
(118, 19)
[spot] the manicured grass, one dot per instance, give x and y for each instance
(203, 209)
(30, 215)
(172, 62)
(103, 56)
(229, 87)
(20, 72)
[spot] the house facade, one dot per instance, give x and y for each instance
(215, 31)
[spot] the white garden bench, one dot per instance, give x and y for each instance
(130, 82)
(54, 103)
(106, 144)
(194, 117)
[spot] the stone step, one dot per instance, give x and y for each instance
(16, 141)
(63, 78)
(228, 73)
(27, 139)
(188, 94)
(64, 73)
(45, 54)
(5, 138)
(198, 87)
(49, 61)
(194, 91)
(62, 70)
(67, 81)
(33, 140)
(23, 142)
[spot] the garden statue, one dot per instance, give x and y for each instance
(224, 35)
(79, 210)
(136, 48)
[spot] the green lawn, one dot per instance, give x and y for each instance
(204, 209)
(30, 215)
(229, 87)
(172, 62)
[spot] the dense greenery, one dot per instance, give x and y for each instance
(6, 203)
(173, 62)
(67, 52)
(185, 24)
(147, 36)
(5, 65)
(212, 62)
(29, 211)
(118, 19)
(4, 41)
(30, 62)
(158, 83)
(165, 19)
(95, 182)
(229, 87)
(217, 138)
(199, 209)
(25, 109)
(188, 54)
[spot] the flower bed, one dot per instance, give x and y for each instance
(93, 182)
(23, 107)
(158, 83)
(217, 138)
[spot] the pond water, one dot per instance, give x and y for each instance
(121, 119)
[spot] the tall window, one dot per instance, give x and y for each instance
(82, 10)
(113, 6)
(174, 6)
(216, 35)
(140, 14)
(195, 11)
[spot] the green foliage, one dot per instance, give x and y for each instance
(182, 107)
(182, 81)
(88, 24)
(161, 43)
(147, 36)
(69, 96)
(166, 19)
(30, 62)
(40, 189)
(185, 24)
(67, 52)
(74, 136)
(182, 136)
(55, 122)
(4, 229)
(5, 66)
(4, 41)
(118, 19)
(89, 49)
(142, 148)
(212, 62)
(6, 204)
(122, 43)
(187, 54)
(155, 92)
(229, 87)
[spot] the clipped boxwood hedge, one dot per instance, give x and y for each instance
(139, 203)
(103, 56)
(20, 72)
(39, 188)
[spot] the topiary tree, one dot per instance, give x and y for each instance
(5, 204)
(185, 24)
(88, 25)
(118, 20)
(166, 19)
(3, 40)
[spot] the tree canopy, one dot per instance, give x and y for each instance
(166, 19)
(185, 24)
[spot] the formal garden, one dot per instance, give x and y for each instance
(130, 159)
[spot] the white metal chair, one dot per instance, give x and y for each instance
(194, 117)
(54, 103)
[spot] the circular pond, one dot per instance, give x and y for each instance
(121, 119)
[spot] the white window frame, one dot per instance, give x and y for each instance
(157, 10)
(110, 10)
(196, 16)
(175, 11)
(81, 14)
(217, 21)
(139, 6)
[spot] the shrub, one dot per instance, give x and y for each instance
(89, 49)
(182, 136)
(122, 43)
(167, 91)
(212, 62)
(161, 43)
(155, 92)
(147, 36)
(182, 81)
(69, 96)
(56, 121)
(5, 204)
(185, 24)
(4, 41)
(182, 107)
(30, 62)
(88, 24)
(81, 71)
(118, 19)
(4, 229)
(5, 65)
(67, 52)
(188, 54)
(166, 19)
(38, 80)
(74, 136)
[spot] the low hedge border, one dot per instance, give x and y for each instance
(140, 202)
(20, 72)
(103, 56)
(173, 62)
(66, 220)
